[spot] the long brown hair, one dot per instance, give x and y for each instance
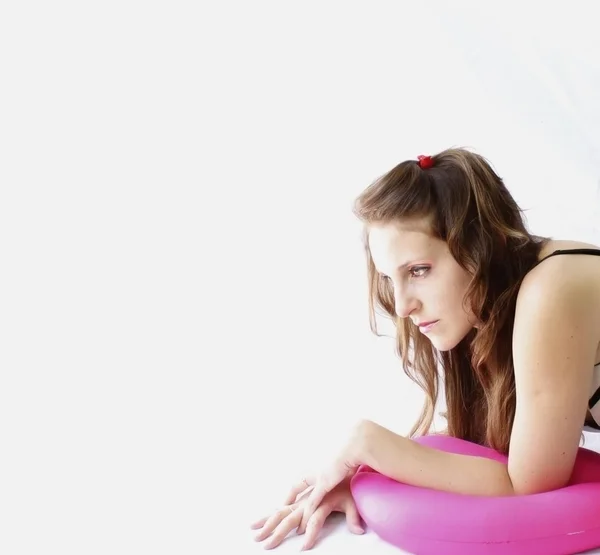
(471, 210)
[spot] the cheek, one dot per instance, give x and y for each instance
(449, 295)
(449, 300)
(460, 286)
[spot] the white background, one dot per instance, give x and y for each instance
(183, 295)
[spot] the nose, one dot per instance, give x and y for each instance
(405, 304)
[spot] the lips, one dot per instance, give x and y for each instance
(426, 326)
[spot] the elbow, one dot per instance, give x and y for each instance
(532, 489)
(541, 484)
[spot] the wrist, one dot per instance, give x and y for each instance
(367, 439)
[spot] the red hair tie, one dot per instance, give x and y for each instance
(425, 162)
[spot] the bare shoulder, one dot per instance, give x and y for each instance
(563, 285)
(580, 270)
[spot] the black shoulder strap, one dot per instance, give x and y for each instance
(570, 251)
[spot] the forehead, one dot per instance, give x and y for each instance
(397, 242)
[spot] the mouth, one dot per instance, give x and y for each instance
(426, 326)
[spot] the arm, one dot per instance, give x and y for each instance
(553, 349)
(407, 461)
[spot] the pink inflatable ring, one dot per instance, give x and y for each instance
(424, 521)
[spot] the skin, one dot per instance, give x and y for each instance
(281, 523)
(427, 281)
(556, 342)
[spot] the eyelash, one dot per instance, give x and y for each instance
(411, 270)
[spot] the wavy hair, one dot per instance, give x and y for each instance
(469, 208)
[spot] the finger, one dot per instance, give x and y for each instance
(311, 504)
(302, 526)
(273, 521)
(304, 494)
(353, 519)
(296, 490)
(259, 523)
(285, 527)
(316, 522)
(293, 494)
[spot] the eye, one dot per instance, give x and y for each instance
(418, 271)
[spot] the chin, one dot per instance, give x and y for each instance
(444, 346)
(446, 343)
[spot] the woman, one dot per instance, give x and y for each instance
(515, 342)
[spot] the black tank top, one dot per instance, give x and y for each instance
(596, 396)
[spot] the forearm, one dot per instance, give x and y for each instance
(409, 462)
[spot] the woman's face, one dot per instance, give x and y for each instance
(429, 285)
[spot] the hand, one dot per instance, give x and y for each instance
(280, 524)
(343, 467)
